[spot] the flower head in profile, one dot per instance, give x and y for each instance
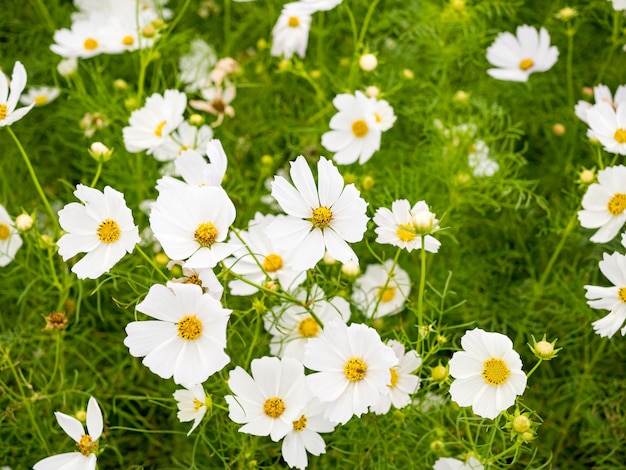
(488, 373)
(516, 57)
(352, 369)
(604, 204)
(268, 402)
(323, 217)
(40, 95)
(607, 123)
(192, 405)
(291, 34)
(10, 94)
(87, 441)
(187, 338)
(611, 298)
(10, 240)
(380, 291)
(103, 227)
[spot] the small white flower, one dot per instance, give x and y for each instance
(67, 66)
(608, 125)
(186, 137)
(10, 94)
(517, 57)
(377, 294)
(203, 277)
(10, 240)
(103, 227)
(40, 96)
(86, 441)
(604, 204)
(192, 405)
(188, 337)
(291, 34)
(610, 298)
(448, 463)
(488, 373)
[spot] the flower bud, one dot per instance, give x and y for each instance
(521, 424)
(372, 91)
(148, 31)
(423, 221)
(368, 62)
(558, 129)
(543, 349)
(439, 373)
(350, 269)
(367, 183)
(587, 176)
(120, 84)
(461, 97)
(67, 67)
(23, 222)
(196, 119)
(99, 151)
(566, 14)
(408, 74)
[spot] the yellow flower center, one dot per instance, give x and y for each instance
(41, 100)
(620, 136)
(272, 263)
(355, 369)
(525, 64)
(205, 234)
(308, 328)
(274, 407)
(90, 44)
(159, 130)
(406, 232)
(495, 371)
(394, 377)
(621, 294)
(5, 232)
(387, 294)
(359, 128)
(3, 111)
(197, 404)
(86, 445)
(108, 231)
(293, 22)
(617, 204)
(322, 217)
(190, 328)
(193, 279)
(128, 40)
(300, 424)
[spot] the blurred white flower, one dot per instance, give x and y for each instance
(377, 294)
(10, 240)
(10, 94)
(39, 95)
(291, 34)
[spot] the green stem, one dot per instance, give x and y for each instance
(97, 175)
(33, 176)
(43, 10)
(569, 66)
(420, 295)
(535, 367)
(152, 263)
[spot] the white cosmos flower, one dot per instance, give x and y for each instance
(404, 382)
(86, 38)
(292, 326)
(10, 94)
(192, 405)
(379, 292)
(103, 227)
(291, 34)
(355, 133)
(40, 95)
(488, 373)
(604, 204)
(10, 240)
(312, 6)
(86, 441)
(610, 298)
(261, 259)
(396, 227)
(384, 117)
(192, 222)
(352, 369)
(268, 402)
(194, 66)
(448, 463)
(608, 125)
(151, 126)
(324, 217)
(203, 277)
(188, 337)
(601, 94)
(186, 137)
(517, 57)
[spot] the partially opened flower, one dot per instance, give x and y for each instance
(488, 373)
(291, 34)
(611, 298)
(517, 57)
(379, 291)
(187, 338)
(87, 443)
(604, 204)
(192, 405)
(608, 125)
(40, 95)
(323, 217)
(10, 94)
(103, 227)
(10, 240)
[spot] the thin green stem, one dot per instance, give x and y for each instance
(535, 367)
(420, 295)
(569, 66)
(97, 175)
(43, 10)
(152, 262)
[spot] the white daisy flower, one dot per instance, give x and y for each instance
(103, 227)
(355, 133)
(195, 65)
(608, 125)
(404, 382)
(152, 125)
(396, 227)
(377, 293)
(479, 161)
(203, 277)
(291, 326)
(268, 259)
(448, 463)
(192, 405)
(384, 116)
(604, 204)
(610, 298)
(188, 337)
(10, 240)
(186, 137)
(217, 99)
(192, 222)
(268, 402)
(517, 57)
(39, 95)
(86, 38)
(601, 94)
(291, 34)
(488, 373)
(10, 94)
(86, 441)
(324, 217)
(304, 436)
(352, 365)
